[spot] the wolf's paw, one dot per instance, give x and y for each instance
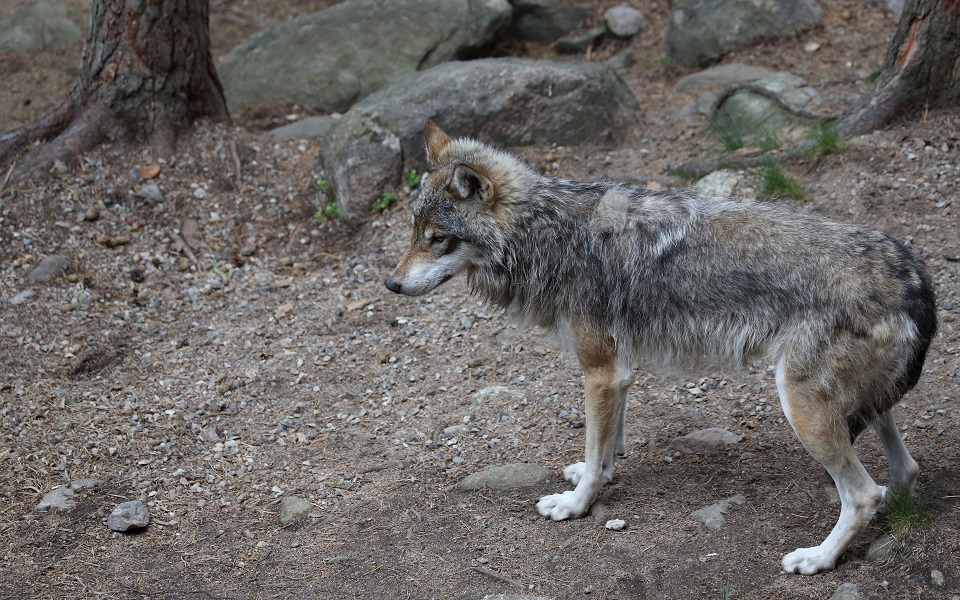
(807, 561)
(566, 505)
(574, 473)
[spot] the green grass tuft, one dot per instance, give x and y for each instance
(413, 179)
(735, 133)
(778, 184)
(826, 139)
(330, 210)
(384, 202)
(904, 514)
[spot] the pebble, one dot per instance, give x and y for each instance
(847, 591)
(51, 266)
(623, 20)
(60, 498)
(704, 440)
(615, 524)
(712, 516)
(129, 515)
(293, 508)
(937, 579)
(22, 297)
(507, 477)
(151, 192)
(882, 548)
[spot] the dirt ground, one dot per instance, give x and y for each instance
(215, 352)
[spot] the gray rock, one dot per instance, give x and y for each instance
(60, 498)
(937, 579)
(129, 515)
(882, 548)
(497, 99)
(788, 116)
(701, 32)
(896, 6)
(331, 59)
(574, 44)
(513, 597)
(42, 26)
(712, 516)
(151, 192)
(623, 20)
(543, 22)
(507, 477)
(847, 591)
(615, 524)
(705, 440)
(622, 61)
(304, 129)
(293, 508)
(84, 483)
(210, 435)
(51, 266)
(22, 297)
(722, 76)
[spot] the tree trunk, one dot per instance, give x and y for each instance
(146, 75)
(921, 69)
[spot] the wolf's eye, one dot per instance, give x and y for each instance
(438, 239)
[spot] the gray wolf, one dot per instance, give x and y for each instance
(626, 277)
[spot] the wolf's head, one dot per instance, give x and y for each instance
(461, 211)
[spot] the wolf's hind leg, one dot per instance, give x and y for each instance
(606, 387)
(815, 416)
(903, 469)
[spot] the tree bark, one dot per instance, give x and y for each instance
(920, 70)
(146, 75)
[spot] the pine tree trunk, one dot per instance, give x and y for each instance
(146, 75)
(921, 69)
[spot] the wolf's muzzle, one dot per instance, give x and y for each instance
(393, 284)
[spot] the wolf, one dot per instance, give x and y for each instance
(626, 277)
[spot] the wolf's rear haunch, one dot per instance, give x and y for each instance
(627, 277)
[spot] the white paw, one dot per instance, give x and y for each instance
(562, 506)
(574, 473)
(807, 561)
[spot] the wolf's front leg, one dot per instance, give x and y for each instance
(605, 395)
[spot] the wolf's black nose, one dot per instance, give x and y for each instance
(393, 284)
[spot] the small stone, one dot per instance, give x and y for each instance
(882, 548)
(23, 297)
(712, 516)
(704, 440)
(210, 435)
(507, 477)
(623, 20)
(151, 192)
(847, 591)
(200, 193)
(57, 499)
(129, 515)
(937, 579)
(293, 508)
(615, 524)
(48, 268)
(84, 483)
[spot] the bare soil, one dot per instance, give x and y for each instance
(225, 348)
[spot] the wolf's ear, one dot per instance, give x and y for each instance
(472, 182)
(436, 142)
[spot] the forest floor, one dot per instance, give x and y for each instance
(225, 348)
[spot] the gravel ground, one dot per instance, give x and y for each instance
(224, 348)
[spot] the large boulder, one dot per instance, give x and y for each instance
(510, 101)
(780, 106)
(701, 31)
(330, 59)
(42, 26)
